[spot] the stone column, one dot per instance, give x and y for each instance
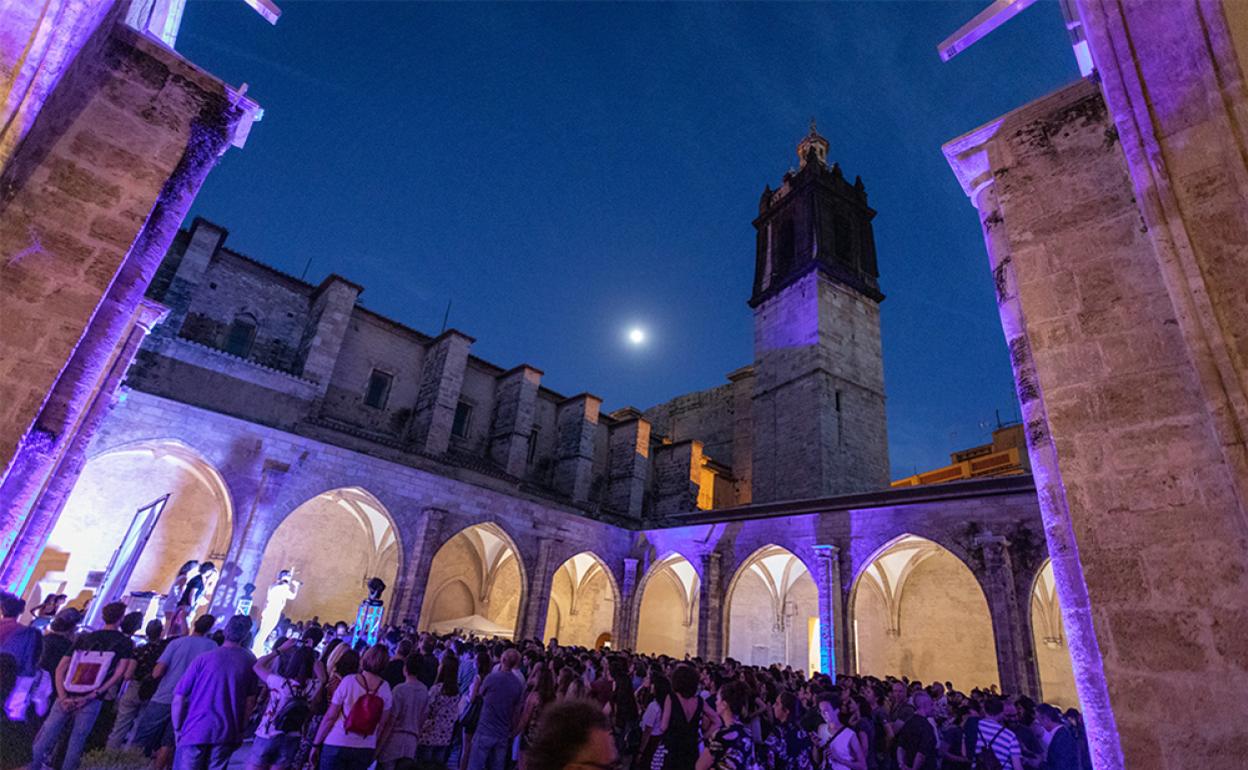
(828, 581)
(678, 476)
(441, 377)
(626, 633)
(93, 360)
(1016, 659)
(255, 522)
(516, 400)
(537, 596)
(329, 315)
(710, 608)
(628, 466)
(63, 472)
(577, 423)
(409, 594)
(970, 158)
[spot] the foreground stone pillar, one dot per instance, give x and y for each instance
(63, 472)
(1139, 486)
(91, 199)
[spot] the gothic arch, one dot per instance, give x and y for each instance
(923, 614)
(1053, 664)
(582, 572)
(335, 541)
(197, 521)
(772, 637)
(682, 583)
(486, 559)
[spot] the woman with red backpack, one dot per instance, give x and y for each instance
(347, 737)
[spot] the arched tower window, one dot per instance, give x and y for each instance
(241, 336)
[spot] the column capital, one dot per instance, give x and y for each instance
(968, 157)
(827, 551)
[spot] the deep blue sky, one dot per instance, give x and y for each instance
(563, 171)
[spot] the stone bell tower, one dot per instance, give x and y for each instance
(818, 403)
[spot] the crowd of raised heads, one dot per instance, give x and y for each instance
(322, 698)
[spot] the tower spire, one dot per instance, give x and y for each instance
(814, 141)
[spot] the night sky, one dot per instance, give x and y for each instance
(562, 172)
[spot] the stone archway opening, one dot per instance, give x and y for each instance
(1057, 676)
(772, 612)
(195, 523)
(667, 617)
(476, 584)
(583, 601)
(334, 543)
(916, 610)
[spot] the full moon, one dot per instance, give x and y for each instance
(636, 335)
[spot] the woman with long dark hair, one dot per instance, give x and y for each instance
(438, 730)
(686, 716)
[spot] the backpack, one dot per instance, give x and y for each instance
(295, 712)
(986, 759)
(88, 669)
(366, 712)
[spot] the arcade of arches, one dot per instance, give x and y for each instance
(913, 608)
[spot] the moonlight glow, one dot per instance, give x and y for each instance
(636, 335)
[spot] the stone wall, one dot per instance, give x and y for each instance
(76, 193)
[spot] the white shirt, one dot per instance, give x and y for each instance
(350, 690)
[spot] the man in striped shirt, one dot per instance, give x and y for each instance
(998, 738)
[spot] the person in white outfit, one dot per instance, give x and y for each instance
(282, 591)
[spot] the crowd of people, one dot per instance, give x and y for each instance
(319, 698)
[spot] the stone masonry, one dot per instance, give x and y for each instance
(1115, 227)
(107, 137)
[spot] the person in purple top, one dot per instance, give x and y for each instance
(501, 696)
(213, 701)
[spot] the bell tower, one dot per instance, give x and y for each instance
(818, 405)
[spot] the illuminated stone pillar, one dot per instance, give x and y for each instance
(1016, 660)
(62, 472)
(537, 595)
(710, 608)
(409, 595)
(94, 194)
(970, 158)
(626, 633)
(828, 581)
(255, 522)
